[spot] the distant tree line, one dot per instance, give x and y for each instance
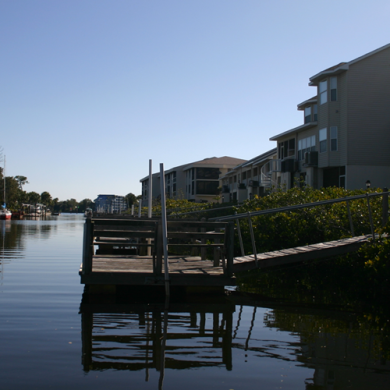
(16, 197)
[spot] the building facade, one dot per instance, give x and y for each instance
(253, 177)
(197, 182)
(345, 133)
(110, 204)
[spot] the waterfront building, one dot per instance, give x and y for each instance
(198, 181)
(345, 134)
(252, 177)
(111, 204)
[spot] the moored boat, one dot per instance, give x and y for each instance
(5, 214)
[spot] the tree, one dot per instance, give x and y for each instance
(55, 204)
(131, 199)
(12, 192)
(84, 204)
(46, 198)
(33, 197)
(22, 180)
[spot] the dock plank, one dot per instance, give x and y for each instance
(299, 254)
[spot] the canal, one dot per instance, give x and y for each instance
(54, 338)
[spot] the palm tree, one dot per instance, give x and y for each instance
(22, 180)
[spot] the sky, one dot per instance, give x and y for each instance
(91, 90)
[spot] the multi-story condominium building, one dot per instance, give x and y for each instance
(112, 204)
(345, 136)
(253, 177)
(198, 181)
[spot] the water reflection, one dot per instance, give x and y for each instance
(133, 337)
(336, 347)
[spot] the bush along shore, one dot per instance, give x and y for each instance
(352, 279)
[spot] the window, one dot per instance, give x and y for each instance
(342, 177)
(207, 173)
(333, 89)
(323, 91)
(254, 172)
(315, 112)
(207, 187)
(333, 138)
(307, 144)
(307, 114)
(286, 148)
(291, 147)
(243, 175)
(322, 138)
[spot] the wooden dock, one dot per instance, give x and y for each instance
(299, 254)
(129, 252)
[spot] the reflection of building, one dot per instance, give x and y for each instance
(344, 138)
(197, 181)
(132, 336)
(112, 204)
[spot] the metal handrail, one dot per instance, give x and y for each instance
(236, 217)
(295, 207)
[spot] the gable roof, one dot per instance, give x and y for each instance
(218, 162)
(343, 66)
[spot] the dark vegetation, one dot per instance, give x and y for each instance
(358, 277)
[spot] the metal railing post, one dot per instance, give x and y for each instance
(350, 219)
(370, 216)
(240, 237)
(385, 206)
(252, 237)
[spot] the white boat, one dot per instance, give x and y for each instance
(88, 213)
(5, 214)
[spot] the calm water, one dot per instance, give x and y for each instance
(53, 339)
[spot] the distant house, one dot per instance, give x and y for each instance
(111, 204)
(345, 136)
(252, 177)
(197, 182)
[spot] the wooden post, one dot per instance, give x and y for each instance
(164, 229)
(159, 250)
(149, 249)
(87, 246)
(203, 250)
(217, 251)
(385, 206)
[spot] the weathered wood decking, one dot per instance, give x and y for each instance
(138, 270)
(115, 253)
(299, 254)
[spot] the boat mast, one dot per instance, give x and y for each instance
(5, 205)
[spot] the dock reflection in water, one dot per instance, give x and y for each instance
(329, 345)
(143, 337)
(332, 347)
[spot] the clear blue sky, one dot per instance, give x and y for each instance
(90, 90)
